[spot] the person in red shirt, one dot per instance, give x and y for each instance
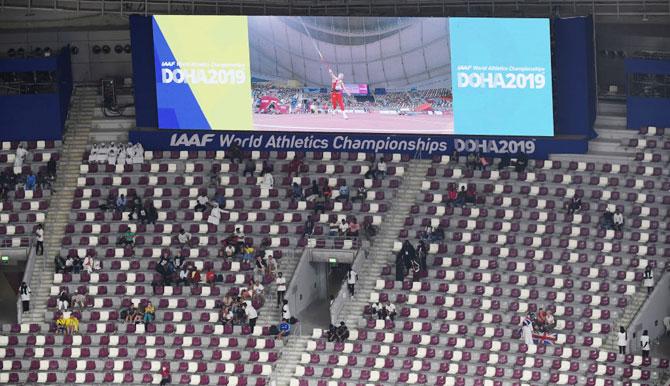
(336, 89)
(210, 277)
(165, 375)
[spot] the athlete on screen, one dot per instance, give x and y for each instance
(337, 87)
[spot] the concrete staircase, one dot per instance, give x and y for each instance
(284, 369)
(270, 313)
(633, 307)
(381, 253)
(75, 140)
(611, 128)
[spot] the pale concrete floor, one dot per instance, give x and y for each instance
(316, 315)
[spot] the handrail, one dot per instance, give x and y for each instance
(342, 295)
(27, 277)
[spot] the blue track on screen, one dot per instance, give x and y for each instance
(501, 76)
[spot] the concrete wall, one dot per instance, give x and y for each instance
(86, 66)
(652, 313)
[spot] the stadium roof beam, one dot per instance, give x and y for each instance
(607, 10)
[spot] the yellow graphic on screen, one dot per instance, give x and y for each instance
(213, 55)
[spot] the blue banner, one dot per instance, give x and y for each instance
(414, 145)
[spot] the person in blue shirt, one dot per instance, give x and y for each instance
(297, 191)
(344, 192)
(284, 330)
(31, 180)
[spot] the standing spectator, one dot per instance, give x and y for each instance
(31, 181)
(166, 378)
(622, 340)
(39, 245)
(24, 291)
(644, 344)
(309, 227)
(51, 168)
(352, 276)
(343, 227)
(152, 213)
(648, 279)
(201, 202)
(184, 238)
(19, 158)
(280, 281)
(249, 167)
(618, 220)
(319, 204)
(252, 314)
(285, 311)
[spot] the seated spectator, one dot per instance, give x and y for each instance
(59, 263)
(361, 194)
(521, 163)
(381, 168)
(183, 275)
(258, 291)
(284, 330)
(210, 278)
(327, 192)
(179, 259)
(504, 163)
(314, 191)
(331, 334)
(194, 276)
(460, 197)
(226, 315)
(483, 162)
(354, 227)
(234, 153)
(248, 251)
(127, 238)
(63, 301)
(267, 180)
(77, 264)
(90, 264)
(344, 192)
(61, 324)
(617, 220)
(72, 325)
(79, 301)
(134, 315)
(390, 308)
(184, 238)
(471, 195)
(249, 167)
(369, 230)
(296, 191)
(134, 208)
(121, 203)
(471, 161)
(309, 227)
(220, 199)
(51, 168)
(607, 220)
(149, 313)
(452, 195)
(43, 181)
(455, 156)
(333, 228)
(372, 172)
(437, 234)
(319, 205)
(343, 227)
(342, 333)
(575, 204)
(31, 181)
(152, 213)
(214, 217)
(201, 202)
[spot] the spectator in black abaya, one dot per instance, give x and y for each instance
(399, 267)
(408, 254)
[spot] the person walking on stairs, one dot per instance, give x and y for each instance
(24, 292)
(352, 276)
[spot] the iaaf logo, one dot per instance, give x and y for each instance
(496, 146)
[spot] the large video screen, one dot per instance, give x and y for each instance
(470, 76)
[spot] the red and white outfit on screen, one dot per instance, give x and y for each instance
(336, 90)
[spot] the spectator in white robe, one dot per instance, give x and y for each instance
(91, 264)
(112, 154)
(20, 158)
(93, 155)
(267, 181)
(101, 156)
(138, 154)
(214, 215)
(121, 156)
